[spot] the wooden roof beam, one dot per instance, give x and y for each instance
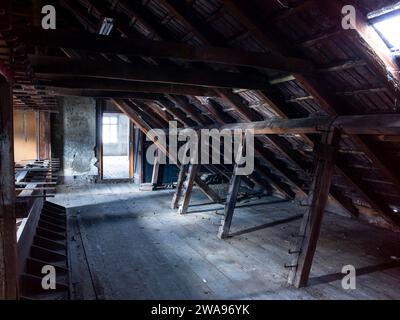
(128, 86)
(187, 16)
(382, 124)
(136, 13)
(160, 49)
(105, 94)
(146, 113)
(188, 24)
(189, 109)
(270, 178)
(175, 112)
(311, 85)
(194, 112)
(376, 201)
(146, 129)
(46, 67)
(75, 9)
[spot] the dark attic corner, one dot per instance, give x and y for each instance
(199, 150)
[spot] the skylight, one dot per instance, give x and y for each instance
(387, 22)
(106, 26)
(390, 30)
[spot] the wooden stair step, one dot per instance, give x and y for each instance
(48, 243)
(51, 226)
(47, 254)
(50, 234)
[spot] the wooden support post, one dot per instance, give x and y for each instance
(8, 239)
(179, 185)
(131, 150)
(99, 136)
(229, 206)
(310, 228)
(156, 169)
(138, 176)
(188, 188)
(232, 194)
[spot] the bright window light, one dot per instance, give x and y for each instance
(390, 30)
(110, 129)
(106, 26)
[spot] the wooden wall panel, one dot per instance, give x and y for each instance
(25, 135)
(44, 136)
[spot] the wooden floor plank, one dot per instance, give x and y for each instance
(138, 247)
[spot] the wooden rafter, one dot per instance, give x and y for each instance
(187, 108)
(271, 178)
(371, 46)
(181, 12)
(308, 81)
(311, 85)
(146, 129)
(244, 112)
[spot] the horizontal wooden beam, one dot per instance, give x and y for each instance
(388, 124)
(161, 49)
(128, 86)
(105, 94)
(51, 67)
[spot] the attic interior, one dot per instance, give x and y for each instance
(80, 95)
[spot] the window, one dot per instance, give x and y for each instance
(387, 23)
(110, 129)
(106, 26)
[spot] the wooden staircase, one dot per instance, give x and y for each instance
(49, 248)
